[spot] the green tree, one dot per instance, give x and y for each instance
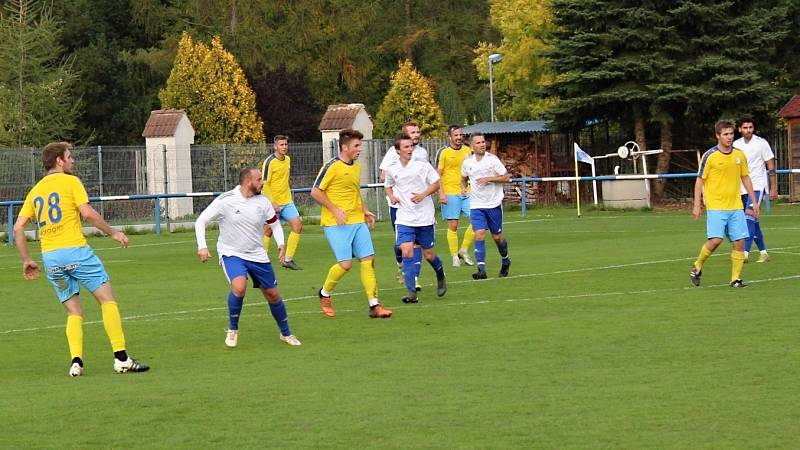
(410, 98)
(37, 101)
(211, 87)
(524, 26)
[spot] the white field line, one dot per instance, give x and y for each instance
(171, 314)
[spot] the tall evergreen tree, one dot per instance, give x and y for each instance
(410, 98)
(37, 101)
(209, 85)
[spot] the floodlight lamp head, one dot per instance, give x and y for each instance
(495, 58)
(623, 152)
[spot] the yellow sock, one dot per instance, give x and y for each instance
(469, 238)
(291, 244)
(368, 279)
(737, 263)
(452, 241)
(75, 336)
(701, 259)
(335, 274)
(266, 241)
(112, 322)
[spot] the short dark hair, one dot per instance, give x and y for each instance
(723, 124)
(400, 137)
(476, 134)
(451, 128)
(347, 135)
(280, 137)
(746, 119)
(245, 173)
(52, 152)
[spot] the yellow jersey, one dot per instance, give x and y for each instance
(53, 205)
(275, 173)
(448, 161)
(341, 182)
(722, 175)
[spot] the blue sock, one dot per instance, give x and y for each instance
(278, 311)
(502, 247)
(759, 236)
(751, 230)
(480, 254)
(417, 260)
(436, 263)
(398, 254)
(408, 273)
(234, 310)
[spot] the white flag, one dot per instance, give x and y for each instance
(582, 156)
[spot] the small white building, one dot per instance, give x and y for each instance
(340, 117)
(168, 137)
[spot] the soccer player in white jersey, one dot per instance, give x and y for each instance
(243, 214)
(420, 153)
(760, 161)
(486, 174)
(409, 186)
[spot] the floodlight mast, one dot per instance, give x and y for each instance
(494, 58)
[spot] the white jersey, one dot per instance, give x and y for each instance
(416, 177)
(241, 225)
(758, 152)
(489, 195)
(391, 157)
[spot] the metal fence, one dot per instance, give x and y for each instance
(123, 170)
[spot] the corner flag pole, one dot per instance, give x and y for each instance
(577, 181)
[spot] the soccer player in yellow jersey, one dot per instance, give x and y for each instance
(722, 169)
(56, 204)
(275, 171)
(346, 221)
(453, 197)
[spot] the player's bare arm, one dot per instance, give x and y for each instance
(321, 197)
(92, 216)
(30, 270)
(416, 198)
(748, 184)
(697, 210)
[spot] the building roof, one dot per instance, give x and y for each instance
(791, 109)
(341, 116)
(163, 123)
(529, 126)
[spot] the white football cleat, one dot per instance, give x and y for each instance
(291, 340)
(464, 254)
(456, 261)
(129, 365)
(231, 338)
(75, 370)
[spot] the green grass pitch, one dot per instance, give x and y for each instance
(597, 339)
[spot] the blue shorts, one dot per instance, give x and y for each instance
(260, 272)
(730, 224)
(487, 219)
(288, 212)
(68, 268)
(457, 205)
(424, 235)
(748, 205)
(348, 241)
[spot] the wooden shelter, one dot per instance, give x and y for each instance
(791, 113)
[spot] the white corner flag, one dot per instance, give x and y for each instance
(582, 156)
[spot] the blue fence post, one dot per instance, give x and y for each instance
(9, 225)
(157, 214)
(523, 211)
